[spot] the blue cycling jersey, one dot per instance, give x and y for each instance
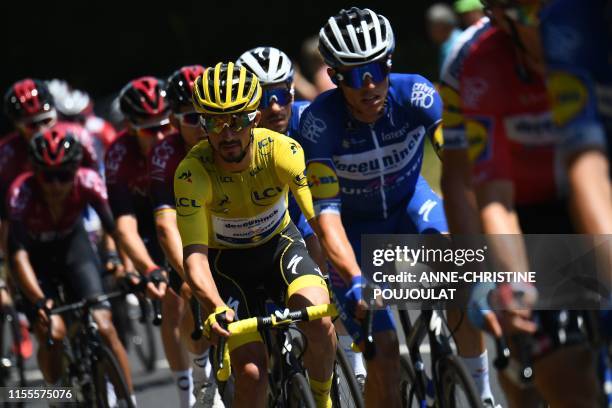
(577, 41)
(294, 210)
(370, 170)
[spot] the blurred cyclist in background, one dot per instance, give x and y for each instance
(178, 321)
(48, 245)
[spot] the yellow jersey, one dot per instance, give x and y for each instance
(222, 209)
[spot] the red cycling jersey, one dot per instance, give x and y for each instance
(163, 161)
(101, 130)
(29, 215)
(510, 110)
(127, 179)
(14, 158)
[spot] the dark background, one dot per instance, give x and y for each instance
(99, 46)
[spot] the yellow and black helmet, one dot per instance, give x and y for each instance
(226, 89)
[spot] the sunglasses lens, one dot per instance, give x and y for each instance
(190, 119)
(356, 77)
(154, 130)
(281, 96)
(215, 124)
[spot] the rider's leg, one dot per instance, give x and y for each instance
(109, 335)
(50, 357)
(250, 366)
(320, 354)
(173, 309)
(383, 372)
(567, 377)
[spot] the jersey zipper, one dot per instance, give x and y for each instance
(382, 174)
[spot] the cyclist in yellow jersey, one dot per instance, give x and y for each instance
(231, 201)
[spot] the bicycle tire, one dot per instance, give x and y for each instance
(452, 374)
(105, 366)
(16, 330)
(142, 337)
(407, 379)
(345, 391)
(300, 395)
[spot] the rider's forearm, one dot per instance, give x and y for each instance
(199, 277)
(591, 199)
(26, 277)
(336, 245)
(500, 222)
(170, 239)
(459, 198)
(126, 235)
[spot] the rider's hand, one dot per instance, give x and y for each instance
(354, 297)
(113, 264)
(516, 322)
(43, 306)
(158, 282)
(217, 321)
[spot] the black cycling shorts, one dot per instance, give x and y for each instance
(70, 261)
(273, 270)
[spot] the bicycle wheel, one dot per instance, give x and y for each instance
(408, 391)
(457, 389)
(11, 357)
(300, 395)
(345, 391)
(106, 368)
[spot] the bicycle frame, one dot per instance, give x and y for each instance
(429, 323)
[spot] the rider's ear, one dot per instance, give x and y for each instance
(257, 118)
(332, 75)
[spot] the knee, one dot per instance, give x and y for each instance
(320, 331)
(105, 326)
(251, 377)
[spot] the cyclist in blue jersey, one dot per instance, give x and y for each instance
(577, 44)
(281, 113)
(364, 150)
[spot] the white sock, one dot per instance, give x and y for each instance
(202, 369)
(184, 384)
(110, 394)
(355, 359)
(133, 398)
(478, 367)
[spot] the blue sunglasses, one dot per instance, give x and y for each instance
(282, 96)
(356, 77)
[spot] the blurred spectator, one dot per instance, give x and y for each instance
(469, 11)
(442, 28)
(315, 78)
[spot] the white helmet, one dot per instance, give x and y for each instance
(355, 37)
(68, 101)
(271, 65)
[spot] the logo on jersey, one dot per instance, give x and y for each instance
(312, 128)
(293, 263)
(254, 171)
(422, 95)
(266, 196)
(322, 180)
(161, 154)
(114, 157)
(426, 209)
(265, 145)
(388, 159)
(569, 96)
(226, 179)
(187, 202)
(301, 179)
(294, 148)
(186, 175)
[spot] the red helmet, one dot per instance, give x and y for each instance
(144, 99)
(56, 148)
(27, 98)
(180, 86)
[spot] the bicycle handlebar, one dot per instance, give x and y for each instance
(275, 320)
